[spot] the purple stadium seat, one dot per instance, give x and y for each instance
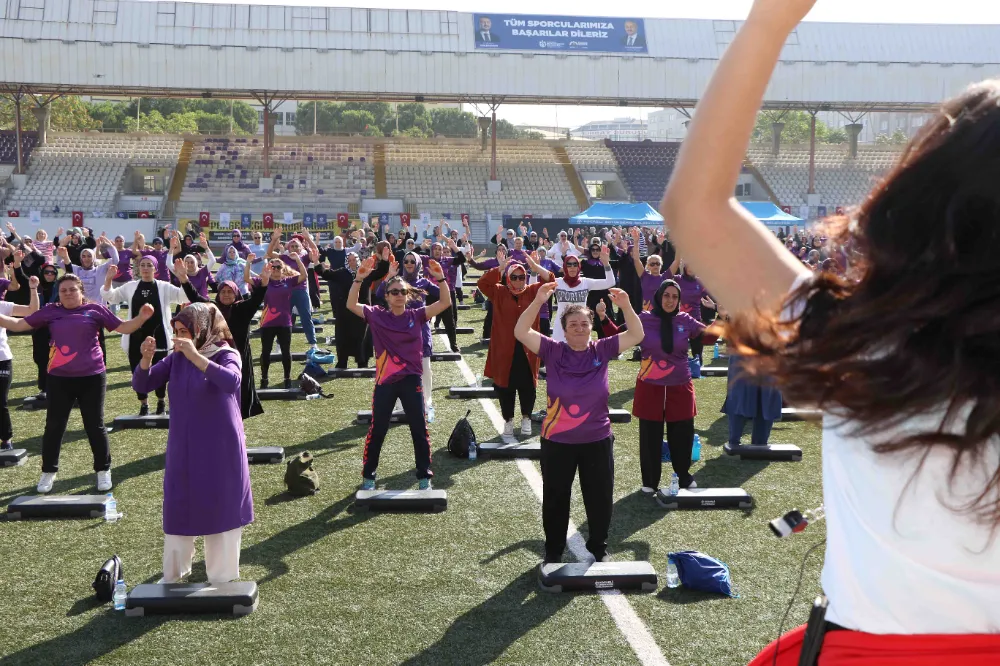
(319, 191)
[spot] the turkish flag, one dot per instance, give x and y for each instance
(527, 217)
(269, 220)
(343, 221)
(13, 213)
(204, 219)
(465, 219)
(787, 209)
(840, 210)
(143, 214)
(404, 219)
(77, 218)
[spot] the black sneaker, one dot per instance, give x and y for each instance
(161, 408)
(143, 409)
(42, 396)
(288, 383)
(6, 446)
(263, 384)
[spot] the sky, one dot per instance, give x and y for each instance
(841, 11)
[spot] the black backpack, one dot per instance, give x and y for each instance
(107, 577)
(462, 437)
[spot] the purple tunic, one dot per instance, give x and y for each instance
(298, 286)
(200, 281)
(75, 350)
(577, 385)
(692, 292)
(206, 484)
(650, 283)
(278, 303)
(124, 266)
(666, 369)
(430, 289)
(162, 267)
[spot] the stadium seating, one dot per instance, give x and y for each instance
(224, 173)
(591, 156)
(86, 171)
(646, 166)
(440, 178)
(8, 147)
(840, 180)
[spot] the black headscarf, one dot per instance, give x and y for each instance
(666, 318)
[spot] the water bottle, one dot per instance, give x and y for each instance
(111, 509)
(313, 396)
(696, 449)
(675, 485)
(673, 579)
(473, 449)
(715, 352)
(430, 415)
(121, 594)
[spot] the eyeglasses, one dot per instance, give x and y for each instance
(396, 292)
(409, 262)
(517, 278)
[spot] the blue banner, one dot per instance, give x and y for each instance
(321, 220)
(307, 220)
(245, 220)
(527, 32)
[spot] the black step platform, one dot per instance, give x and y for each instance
(32, 404)
(784, 452)
(255, 333)
(133, 421)
(706, 498)
(464, 330)
(446, 356)
(463, 306)
(402, 500)
(13, 457)
(56, 506)
(296, 356)
(596, 576)
(715, 371)
(471, 392)
(265, 455)
(793, 414)
(531, 449)
(350, 373)
(365, 417)
(614, 415)
(281, 394)
(235, 598)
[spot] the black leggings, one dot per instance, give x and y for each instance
(410, 394)
(519, 382)
(89, 393)
(284, 336)
(680, 437)
(596, 462)
(6, 375)
(135, 356)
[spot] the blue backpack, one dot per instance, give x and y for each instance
(699, 571)
(695, 365)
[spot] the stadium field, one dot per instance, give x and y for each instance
(345, 586)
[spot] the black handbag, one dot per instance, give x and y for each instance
(462, 438)
(107, 577)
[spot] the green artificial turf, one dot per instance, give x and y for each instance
(339, 586)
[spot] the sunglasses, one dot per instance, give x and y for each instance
(409, 262)
(276, 266)
(572, 264)
(49, 273)
(517, 278)
(396, 292)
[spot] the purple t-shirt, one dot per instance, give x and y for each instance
(162, 257)
(692, 292)
(295, 267)
(398, 342)
(124, 265)
(666, 369)
(278, 303)
(650, 283)
(74, 350)
(577, 383)
(200, 281)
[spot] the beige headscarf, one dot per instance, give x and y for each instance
(207, 325)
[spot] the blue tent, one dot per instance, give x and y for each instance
(608, 214)
(770, 214)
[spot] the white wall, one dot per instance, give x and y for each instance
(112, 225)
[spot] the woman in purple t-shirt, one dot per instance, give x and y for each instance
(693, 297)
(75, 372)
(577, 430)
(651, 276)
(397, 333)
(276, 320)
(663, 389)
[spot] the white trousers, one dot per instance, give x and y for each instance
(222, 556)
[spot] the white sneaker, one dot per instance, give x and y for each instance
(525, 426)
(104, 481)
(508, 428)
(646, 490)
(693, 485)
(45, 483)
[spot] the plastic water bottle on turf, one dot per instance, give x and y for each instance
(673, 579)
(473, 449)
(120, 595)
(696, 449)
(715, 352)
(313, 396)
(675, 485)
(111, 509)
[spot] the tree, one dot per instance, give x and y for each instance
(357, 121)
(838, 135)
(110, 115)
(796, 129)
(454, 123)
(410, 117)
(155, 123)
(68, 114)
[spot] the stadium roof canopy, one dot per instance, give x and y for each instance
(125, 47)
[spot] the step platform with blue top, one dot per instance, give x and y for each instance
(56, 506)
(779, 452)
(706, 498)
(13, 457)
(597, 576)
(464, 330)
(234, 598)
(294, 393)
(351, 373)
(402, 500)
(446, 356)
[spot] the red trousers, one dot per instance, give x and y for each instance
(854, 648)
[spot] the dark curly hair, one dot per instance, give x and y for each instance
(914, 326)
